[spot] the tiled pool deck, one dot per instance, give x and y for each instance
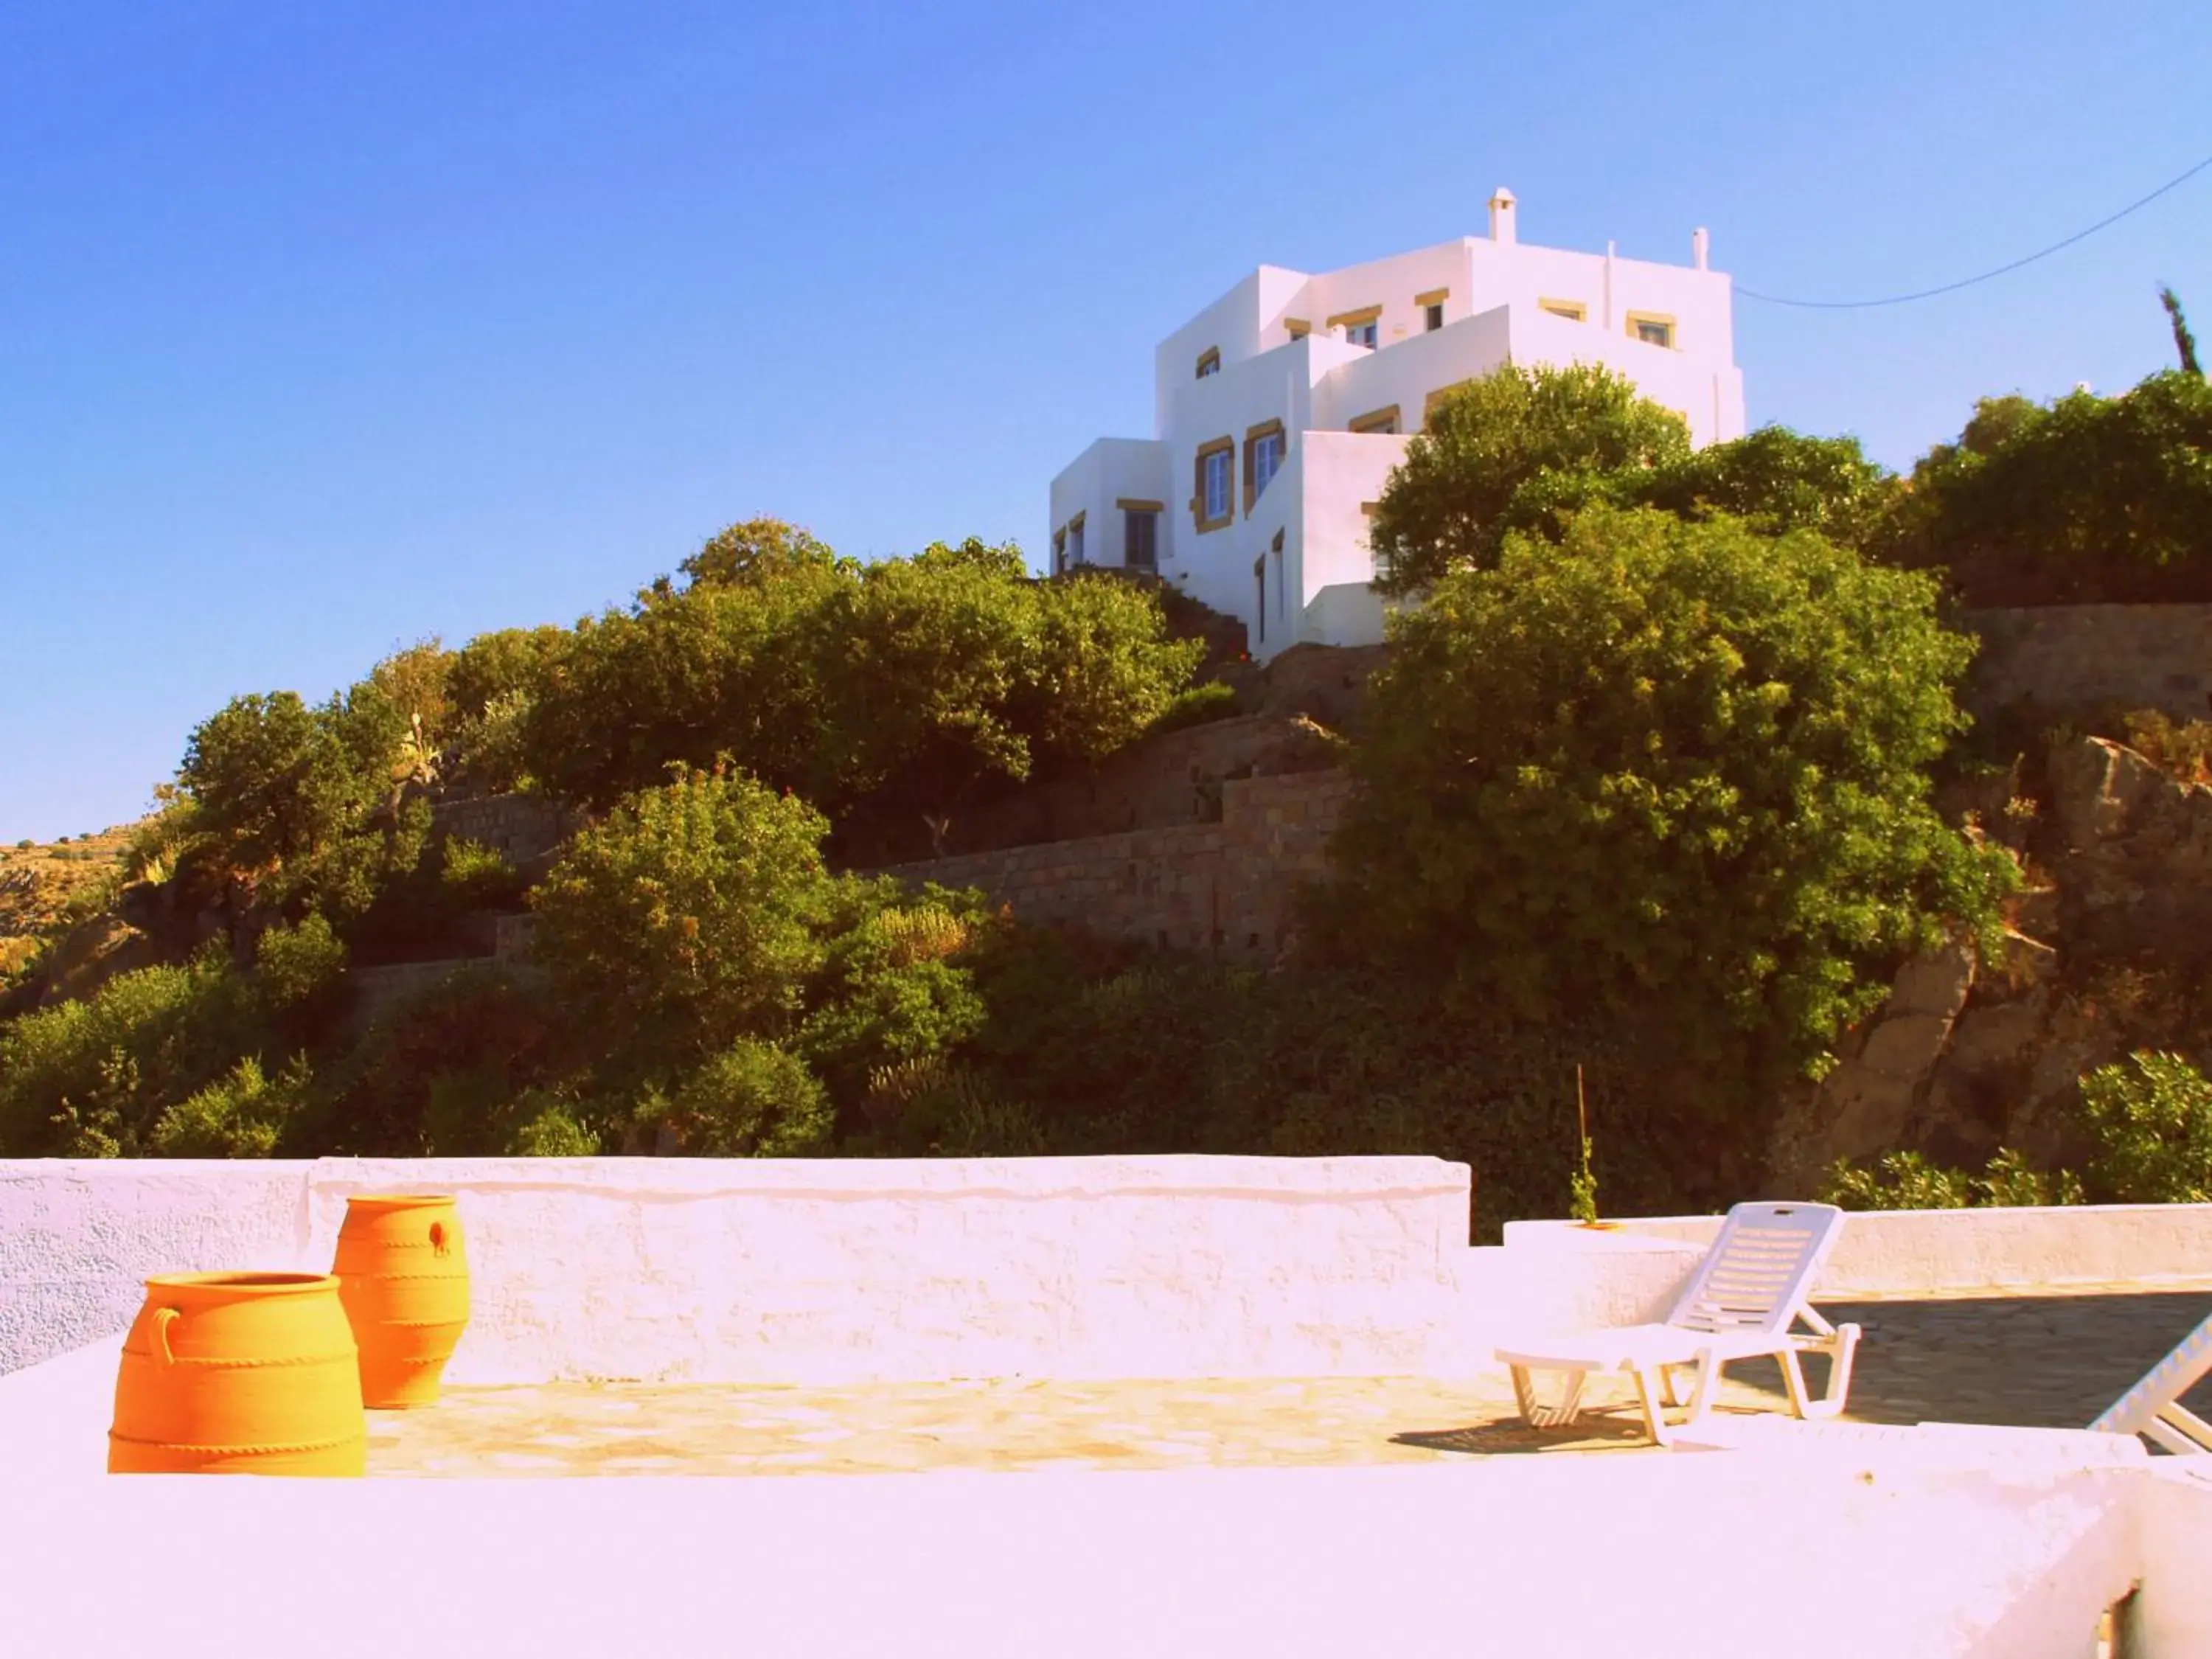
(2051, 1360)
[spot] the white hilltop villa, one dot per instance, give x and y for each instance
(1282, 407)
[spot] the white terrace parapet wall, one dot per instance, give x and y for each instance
(845, 1270)
(1722, 1556)
(806, 1270)
(1888, 1253)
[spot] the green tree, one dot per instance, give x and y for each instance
(93, 1076)
(1907, 1180)
(308, 805)
(723, 668)
(2184, 342)
(953, 669)
(688, 919)
(2086, 500)
(751, 1099)
(1666, 760)
(700, 917)
(492, 684)
(2151, 1119)
(897, 688)
(1777, 480)
(1508, 452)
(756, 552)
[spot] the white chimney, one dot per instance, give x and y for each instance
(1701, 247)
(1501, 217)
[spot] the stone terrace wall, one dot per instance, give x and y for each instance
(2074, 659)
(371, 993)
(1227, 886)
(520, 827)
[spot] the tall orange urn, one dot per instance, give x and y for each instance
(404, 1277)
(239, 1373)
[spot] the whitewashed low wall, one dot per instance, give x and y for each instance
(1908, 1252)
(1720, 1556)
(806, 1270)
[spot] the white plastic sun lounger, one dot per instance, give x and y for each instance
(2153, 1407)
(1744, 1302)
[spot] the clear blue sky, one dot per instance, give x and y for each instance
(324, 327)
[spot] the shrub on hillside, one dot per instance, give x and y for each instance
(2086, 500)
(243, 1114)
(690, 918)
(1907, 1180)
(307, 804)
(751, 1099)
(897, 687)
(1666, 763)
(441, 1075)
(91, 1078)
(892, 986)
(1777, 481)
(1506, 452)
(2150, 1117)
(700, 917)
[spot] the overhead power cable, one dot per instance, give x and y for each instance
(1953, 288)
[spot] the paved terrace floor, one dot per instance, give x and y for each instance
(2051, 1360)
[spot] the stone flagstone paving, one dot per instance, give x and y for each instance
(2050, 1360)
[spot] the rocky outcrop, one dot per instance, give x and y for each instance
(2107, 945)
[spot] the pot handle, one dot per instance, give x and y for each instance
(157, 1335)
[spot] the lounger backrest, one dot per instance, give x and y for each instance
(2158, 1395)
(1759, 1271)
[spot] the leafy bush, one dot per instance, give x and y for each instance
(901, 686)
(546, 1124)
(243, 1114)
(700, 918)
(1506, 452)
(690, 918)
(1906, 1181)
(475, 877)
(307, 805)
(2151, 1117)
(92, 1077)
(2182, 749)
(1777, 481)
(1669, 763)
(491, 686)
(2085, 500)
(751, 1099)
(1197, 705)
(890, 987)
(441, 1075)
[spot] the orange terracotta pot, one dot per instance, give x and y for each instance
(404, 1277)
(239, 1373)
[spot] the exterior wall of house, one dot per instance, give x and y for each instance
(1230, 326)
(1391, 283)
(1404, 375)
(1110, 471)
(1495, 291)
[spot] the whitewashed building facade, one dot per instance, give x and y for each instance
(1281, 409)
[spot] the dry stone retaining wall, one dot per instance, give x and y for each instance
(2068, 659)
(1227, 886)
(518, 827)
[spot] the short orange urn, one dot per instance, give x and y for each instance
(239, 1373)
(404, 1277)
